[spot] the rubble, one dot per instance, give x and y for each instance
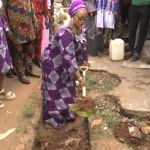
(135, 132)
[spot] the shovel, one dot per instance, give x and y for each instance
(84, 69)
(83, 106)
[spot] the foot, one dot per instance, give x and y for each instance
(106, 45)
(32, 74)
(1, 105)
(128, 55)
(148, 62)
(135, 57)
(37, 63)
(23, 79)
(6, 95)
(119, 36)
(9, 74)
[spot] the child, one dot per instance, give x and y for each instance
(106, 12)
(5, 60)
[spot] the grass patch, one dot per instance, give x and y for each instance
(28, 110)
(108, 87)
(33, 95)
(110, 117)
(137, 120)
(90, 83)
(129, 147)
(100, 131)
(22, 128)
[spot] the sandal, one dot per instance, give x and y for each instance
(9, 74)
(128, 55)
(135, 57)
(8, 96)
(1, 105)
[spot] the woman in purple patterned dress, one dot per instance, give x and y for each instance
(60, 67)
(5, 60)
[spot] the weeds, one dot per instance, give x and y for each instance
(28, 110)
(33, 95)
(108, 87)
(137, 120)
(22, 128)
(118, 109)
(90, 83)
(110, 117)
(129, 147)
(100, 131)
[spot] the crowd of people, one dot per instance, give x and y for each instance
(22, 22)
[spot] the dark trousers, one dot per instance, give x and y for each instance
(138, 14)
(23, 57)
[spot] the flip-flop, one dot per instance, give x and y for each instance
(1, 105)
(128, 56)
(8, 96)
(135, 57)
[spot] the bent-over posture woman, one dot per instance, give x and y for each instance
(60, 67)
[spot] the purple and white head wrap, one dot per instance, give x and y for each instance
(75, 6)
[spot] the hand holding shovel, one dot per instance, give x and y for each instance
(84, 69)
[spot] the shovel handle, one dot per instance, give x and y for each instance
(84, 91)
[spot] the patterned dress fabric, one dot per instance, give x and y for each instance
(21, 15)
(5, 59)
(105, 13)
(41, 8)
(59, 62)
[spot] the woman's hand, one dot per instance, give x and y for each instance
(86, 64)
(116, 13)
(47, 23)
(36, 26)
(10, 35)
(82, 83)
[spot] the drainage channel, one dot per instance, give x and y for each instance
(75, 136)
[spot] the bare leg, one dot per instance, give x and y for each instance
(1, 81)
(1, 85)
(99, 29)
(121, 30)
(107, 34)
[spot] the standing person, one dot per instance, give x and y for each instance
(60, 67)
(107, 10)
(22, 22)
(40, 7)
(51, 10)
(124, 13)
(5, 60)
(139, 13)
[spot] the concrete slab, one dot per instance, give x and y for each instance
(133, 93)
(134, 90)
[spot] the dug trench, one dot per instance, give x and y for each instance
(105, 107)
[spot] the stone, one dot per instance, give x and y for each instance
(135, 132)
(145, 130)
(135, 140)
(20, 147)
(141, 124)
(34, 123)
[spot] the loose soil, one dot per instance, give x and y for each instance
(74, 136)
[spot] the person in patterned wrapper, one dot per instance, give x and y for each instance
(5, 59)
(21, 19)
(41, 8)
(60, 67)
